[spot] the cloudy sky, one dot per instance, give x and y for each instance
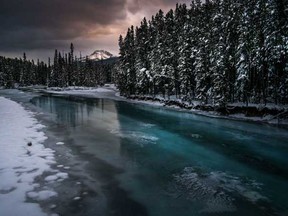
(37, 27)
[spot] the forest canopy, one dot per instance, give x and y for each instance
(215, 52)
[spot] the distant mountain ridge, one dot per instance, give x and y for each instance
(98, 55)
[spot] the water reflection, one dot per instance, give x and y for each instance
(176, 163)
(88, 123)
(76, 112)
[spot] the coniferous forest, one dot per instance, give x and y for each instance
(65, 70)
(22, 72)
(217, 52)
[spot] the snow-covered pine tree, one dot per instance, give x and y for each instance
(157, 54)
(152, 55)
(202, 62)
(122, 74)
(130, 61)
(141, 59)
(168, 74)
(277, 45)
(218, 55)
(23, 75)
(186, 50)
(244, 53)
(224, 40)
(70, 70)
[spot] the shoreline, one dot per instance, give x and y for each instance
(256, 113)
(213, 112)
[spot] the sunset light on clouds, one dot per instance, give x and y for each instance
(39, 27)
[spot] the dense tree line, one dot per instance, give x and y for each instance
(70, 70)
(65, 70)
(218, 52)
(22, 72)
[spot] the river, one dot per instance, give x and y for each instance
(135, 159)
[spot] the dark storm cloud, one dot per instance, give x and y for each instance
(34, 23)
(135, 6)
(39, 26)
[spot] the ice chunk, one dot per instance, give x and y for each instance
(196, 136)
(62, 175)
(51, 178)
(41, 195)
(77, 198)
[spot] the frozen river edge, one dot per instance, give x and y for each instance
(23, 158)
(111, 92)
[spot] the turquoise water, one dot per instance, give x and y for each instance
(156, 161)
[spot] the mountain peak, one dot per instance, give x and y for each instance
(100, 55)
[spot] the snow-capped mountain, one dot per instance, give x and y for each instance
(100, 55)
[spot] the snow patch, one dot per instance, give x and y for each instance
(77, 198)
(21, 164)
(103, 90)
(53, 206)
(196, 136)
(62, 175)
(58, 176)
(100, 55)
(41, 195)
(51, 178)
(74, 90)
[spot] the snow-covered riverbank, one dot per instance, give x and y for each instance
(20, 164)
(269, 113)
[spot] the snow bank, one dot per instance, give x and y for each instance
(269, 113)
(82, 91)
(20, 163)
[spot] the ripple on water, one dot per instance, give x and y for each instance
(216, 190)
(139, 137)
(148, 125)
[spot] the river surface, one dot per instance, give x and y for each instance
(145, 160)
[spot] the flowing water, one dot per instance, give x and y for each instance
(154, 161)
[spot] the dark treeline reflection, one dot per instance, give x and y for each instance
(72, 111)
